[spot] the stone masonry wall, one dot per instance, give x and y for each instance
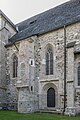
(56, 40)
(32, 80)
(27, 84)
(6, 31)
(11, 92)
(26, 90)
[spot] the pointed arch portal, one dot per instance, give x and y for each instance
(50, 97)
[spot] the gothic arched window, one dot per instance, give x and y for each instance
(49, 61)
(15, 66)
(79, 75)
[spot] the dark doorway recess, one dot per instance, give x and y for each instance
(51, 97)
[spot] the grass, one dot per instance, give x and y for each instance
(12, 115)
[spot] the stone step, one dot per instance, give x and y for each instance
(50, 111)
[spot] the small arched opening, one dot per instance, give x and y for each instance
(51, 97)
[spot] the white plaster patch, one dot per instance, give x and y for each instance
(44, 61)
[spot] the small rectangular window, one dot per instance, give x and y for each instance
(31, 62)
(31, 88)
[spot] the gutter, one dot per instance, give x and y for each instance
(7, 45)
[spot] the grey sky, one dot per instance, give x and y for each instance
(19, 10)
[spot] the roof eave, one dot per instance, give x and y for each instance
(38, 34)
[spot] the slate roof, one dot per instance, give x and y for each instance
(10, 22)
(64, 14)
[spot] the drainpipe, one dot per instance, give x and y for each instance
(64, 69)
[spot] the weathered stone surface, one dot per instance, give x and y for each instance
(6, 94)
(28, 91)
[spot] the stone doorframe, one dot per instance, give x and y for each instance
(43, 96)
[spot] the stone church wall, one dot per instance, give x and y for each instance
(56, 40)
(6, 31)
(26, 82)
(33, 76)
(28, 91)
(11, 92)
